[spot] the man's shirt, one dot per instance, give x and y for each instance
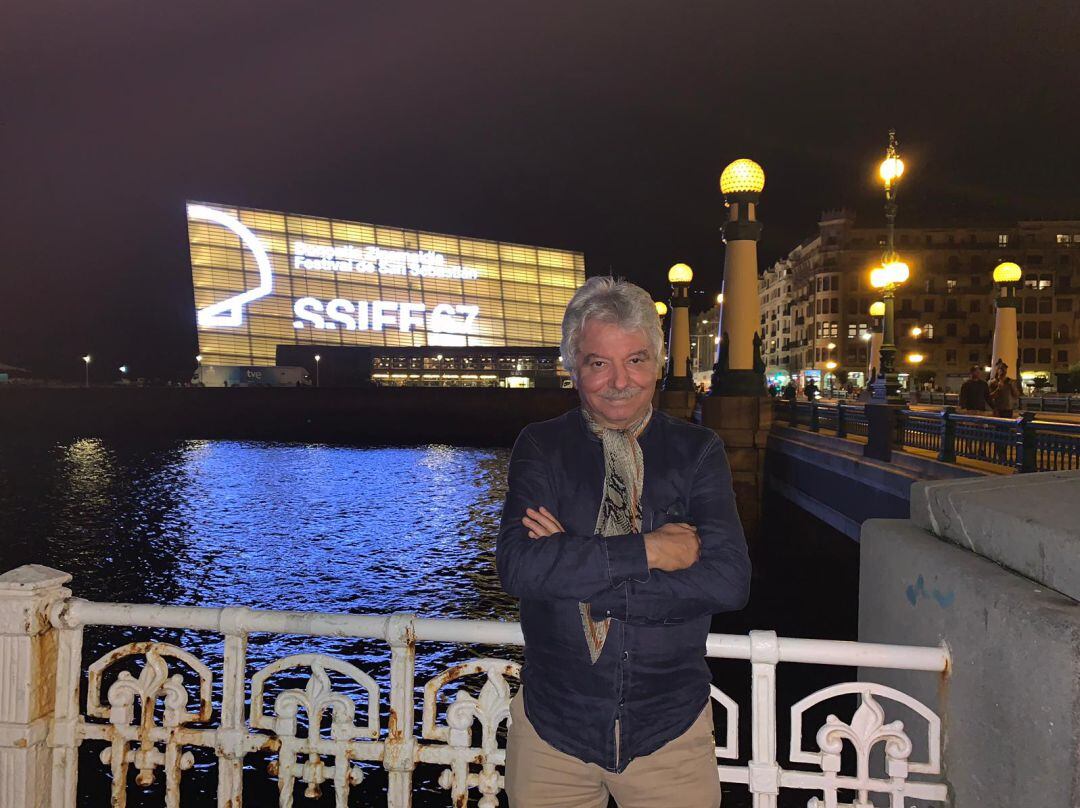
(651, 680)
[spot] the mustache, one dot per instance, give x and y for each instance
(621, 395)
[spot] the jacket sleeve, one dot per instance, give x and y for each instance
(718, 582)
(563, 565)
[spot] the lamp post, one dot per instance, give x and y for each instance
(661, 313)
(1007, 276)
(678, 375)
(889, 276)
(318, 359)
(739, 370)
(888, 279)
(915, 358)
(877, 312)
(719, 326)
(86, 362)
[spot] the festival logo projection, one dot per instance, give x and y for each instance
(264, 278)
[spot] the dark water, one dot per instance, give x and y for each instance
(362, 530)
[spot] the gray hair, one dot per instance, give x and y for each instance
(610, 301)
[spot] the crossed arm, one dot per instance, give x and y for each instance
(639, 578)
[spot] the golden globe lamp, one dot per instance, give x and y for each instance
(661, 308)
(877, 309)
(680, 273)
(830, 365)
(742, 176)
(1007, 272)
(915, 358)
(916, 331)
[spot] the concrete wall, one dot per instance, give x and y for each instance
(1011, 704)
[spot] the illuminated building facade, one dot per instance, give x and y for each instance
(818, 295)
(264, 279)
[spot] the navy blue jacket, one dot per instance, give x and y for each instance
(651, 681)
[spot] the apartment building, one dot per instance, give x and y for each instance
(814, 301)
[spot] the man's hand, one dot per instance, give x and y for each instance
(672, 547)
(541, 523)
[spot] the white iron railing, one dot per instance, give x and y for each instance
(148, 721)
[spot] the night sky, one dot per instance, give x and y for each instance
(593, 125)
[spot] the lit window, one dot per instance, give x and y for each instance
(1064, 238)
(1003, 239)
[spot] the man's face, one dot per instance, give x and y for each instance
(616, 373)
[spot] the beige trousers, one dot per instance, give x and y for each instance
(680, 774)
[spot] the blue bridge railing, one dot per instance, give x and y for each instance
(1023, 444)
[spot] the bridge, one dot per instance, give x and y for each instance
(969, 532)
(816, 455)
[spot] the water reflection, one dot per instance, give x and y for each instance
(216, 523)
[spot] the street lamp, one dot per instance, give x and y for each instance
(739, 370)
(877, 315)
(678, 376)
(661, 309)
(1007, 276)
(914, 358)
(86, 361)
(888, 278)
(318, 359)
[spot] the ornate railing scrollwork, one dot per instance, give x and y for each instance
(490, 709)
(866, 730)
(138, 745)
(317, 699)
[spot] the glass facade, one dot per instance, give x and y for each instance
(263, 279)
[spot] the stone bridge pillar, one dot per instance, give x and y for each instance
(737, 407)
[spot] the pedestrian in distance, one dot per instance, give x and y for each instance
(621, 539)
(1004, 392)
(810, 390)
(975, 393)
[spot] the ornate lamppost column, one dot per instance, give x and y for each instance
(661, 313)
(678, 376)
(877, 314)
(739, 370)
(888, 278)
(719, 327)
(1007, 276)
(885, 400)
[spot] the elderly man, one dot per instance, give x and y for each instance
(620, 537)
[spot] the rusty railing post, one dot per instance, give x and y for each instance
(28, 684)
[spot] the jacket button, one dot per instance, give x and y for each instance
(625, 655)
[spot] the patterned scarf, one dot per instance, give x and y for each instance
(620, 508)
